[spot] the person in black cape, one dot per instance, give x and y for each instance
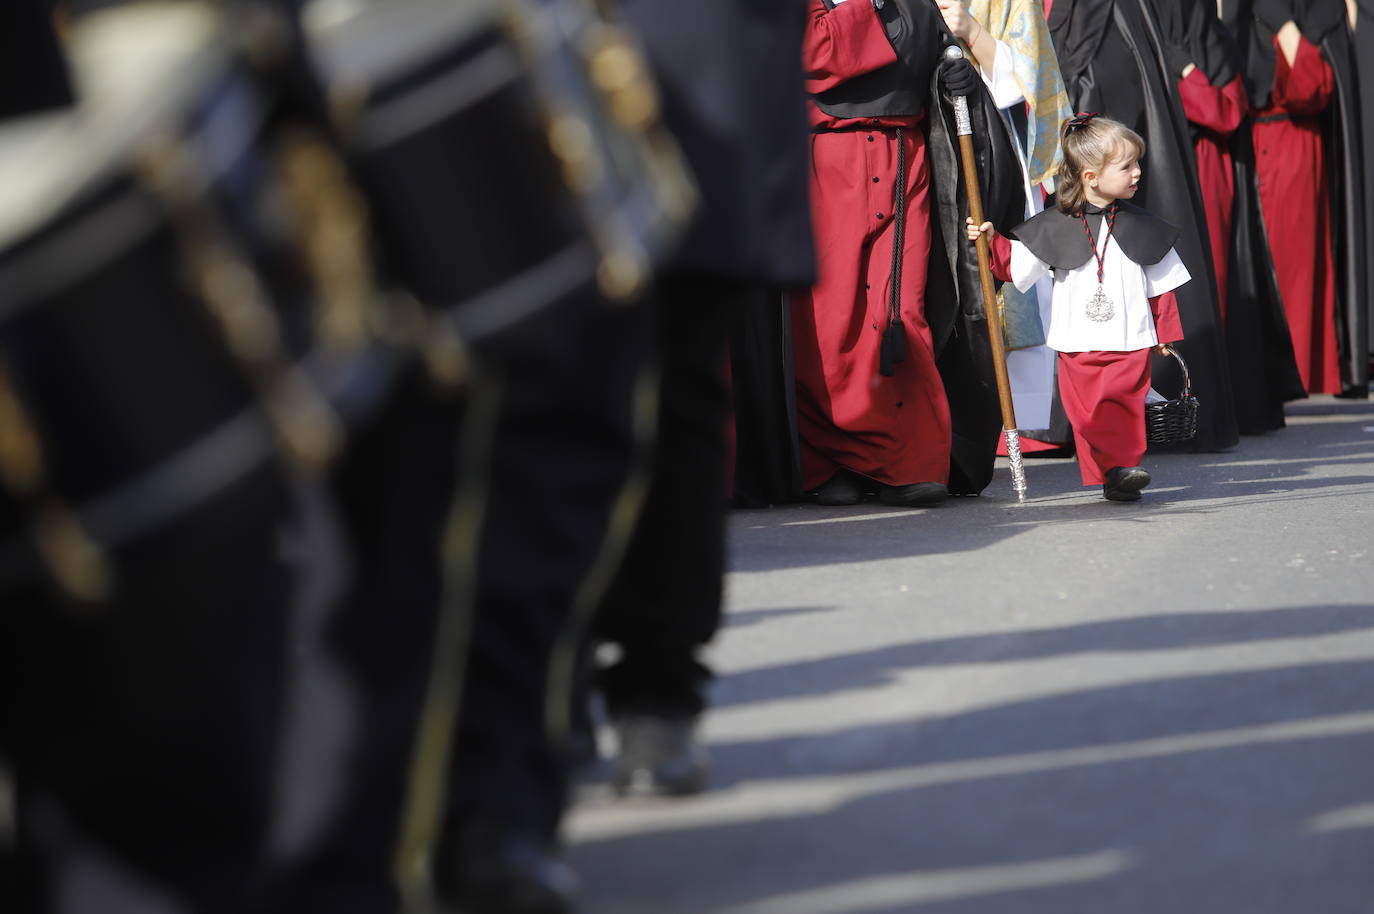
(1362, 34)
(1264, 373)
(1109, 52)
(1324, 23)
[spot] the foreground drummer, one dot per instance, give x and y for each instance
(1115, 269)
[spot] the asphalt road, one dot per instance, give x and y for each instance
(1069, 706)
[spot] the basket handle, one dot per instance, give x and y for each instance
(1187, 384)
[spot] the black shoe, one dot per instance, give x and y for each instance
(916, 495)
(844, 488)
(658, 757)
(1125, 483)
(484, 868)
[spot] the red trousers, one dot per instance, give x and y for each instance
(1104, 398)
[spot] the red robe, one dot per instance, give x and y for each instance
(1291, 168)
(1218, 112)
(895, 430)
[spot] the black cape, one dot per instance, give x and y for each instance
(954, 298)
(1264, 369)
(1059, 240)
(1364, 65)
(1110, 52)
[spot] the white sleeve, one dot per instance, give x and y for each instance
(1001, 82)
(1165, 276)
(1026, 268)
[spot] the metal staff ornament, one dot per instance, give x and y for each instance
(964, 127)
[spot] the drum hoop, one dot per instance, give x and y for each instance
(458, 90)
(495, 309)
(211, 463)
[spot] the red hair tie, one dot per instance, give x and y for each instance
(1079, 121)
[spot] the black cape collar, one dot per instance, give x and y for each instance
(1058, 239)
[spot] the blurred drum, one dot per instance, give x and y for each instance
(185, 302)
(511, 150)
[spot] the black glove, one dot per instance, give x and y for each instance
(1274, 13)
(958, 77)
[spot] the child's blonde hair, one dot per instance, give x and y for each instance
(1089, 141)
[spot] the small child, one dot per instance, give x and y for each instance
(1114, 270)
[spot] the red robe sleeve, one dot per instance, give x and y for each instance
(1305, 88)
(842, 43)
(1168, 328)
(999, 249)
(1218, 110)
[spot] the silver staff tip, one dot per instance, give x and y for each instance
(954, 52)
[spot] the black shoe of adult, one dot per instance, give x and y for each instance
(915, 495)
(484, 868)
(844, 488)
(1125, 483)
(658, 756)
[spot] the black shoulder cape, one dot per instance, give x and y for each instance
(1060, 240)
(1111, 57)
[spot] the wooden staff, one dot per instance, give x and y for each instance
(964, 126)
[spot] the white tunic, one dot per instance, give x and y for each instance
(1128, 285)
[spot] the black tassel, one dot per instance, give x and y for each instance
(893, 348)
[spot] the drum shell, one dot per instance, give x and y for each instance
(121, 367)
(474, 198)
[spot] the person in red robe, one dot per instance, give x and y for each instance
(1215, 103)
(1295, 197)
(871, 405)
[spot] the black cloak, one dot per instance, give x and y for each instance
(1111, 58)
(1324, 23)
(954, 296)
(1363, 38)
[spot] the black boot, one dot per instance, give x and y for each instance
(658, 756)
(1125, 483)
(844, 488)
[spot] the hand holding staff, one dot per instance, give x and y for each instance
(964, 127)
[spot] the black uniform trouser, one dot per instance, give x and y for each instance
(566, 469)
(665, 602)
(519, 479)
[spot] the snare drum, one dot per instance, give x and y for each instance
(162, 337)
(510, 148)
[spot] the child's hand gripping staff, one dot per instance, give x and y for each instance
(964, 127)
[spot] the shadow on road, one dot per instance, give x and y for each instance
(1192, 794)
(866, 669)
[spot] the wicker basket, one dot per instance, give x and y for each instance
(1173, 421)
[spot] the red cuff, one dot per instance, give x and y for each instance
(1000, 250)
(1168, 327)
